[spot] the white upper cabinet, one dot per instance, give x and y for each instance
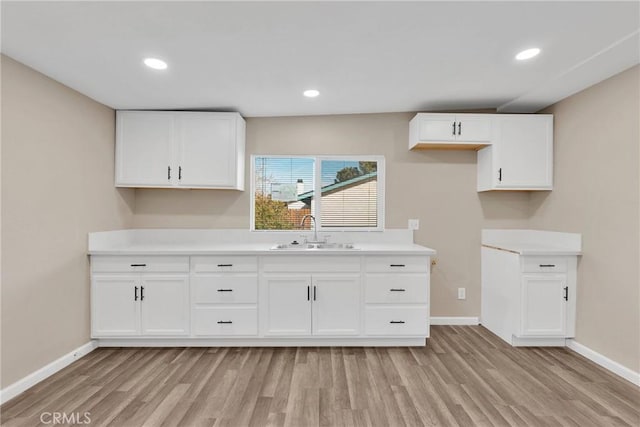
(521, 154)
(181, 149)
(460, 131)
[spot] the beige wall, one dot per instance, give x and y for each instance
(596, 193)
(57, 185)
(438, 187)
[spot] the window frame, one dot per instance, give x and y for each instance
(317, 187)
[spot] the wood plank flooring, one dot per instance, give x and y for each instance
(465, 376)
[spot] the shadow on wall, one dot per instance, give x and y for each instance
(189, 202)
(505, 205)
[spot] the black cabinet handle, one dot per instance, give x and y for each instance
(500, 175)
(396, 290)
(566, 293)
(168, 172)
(547, 265)
(179, 173)
(314, 293)
(224, 322)
(454, 128)
(308, 293)
(141, 293)
(225, 265)
(396, 321)
(138, 265)
(459, 128)
(225, 290)
(397, 265)
(135, 293)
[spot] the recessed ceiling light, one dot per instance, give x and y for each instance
(527, 54)
(311, 93)
(155, 63)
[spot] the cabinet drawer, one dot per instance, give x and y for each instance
(536, 264)
(392, 321)
(216, 264)
(392, 288)
(397, 264)
(225, 321)
(305, 263)
(130, 264)
(225, 288)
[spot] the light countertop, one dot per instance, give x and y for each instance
(533, 242)
(172, 242)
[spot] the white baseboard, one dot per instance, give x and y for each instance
(455, 321)
(605, 362)
(34, 378)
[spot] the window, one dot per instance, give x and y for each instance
(284, 190)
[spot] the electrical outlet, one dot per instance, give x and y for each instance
(414, 224)
(462, 293)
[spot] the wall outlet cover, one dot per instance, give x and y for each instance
(462, 293)
(414, 224)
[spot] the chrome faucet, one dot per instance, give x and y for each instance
(315, 227)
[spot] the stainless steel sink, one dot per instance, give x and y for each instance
(313, 246)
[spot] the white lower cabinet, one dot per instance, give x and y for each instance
(115, 309)
(164, 305)
(138, 305)
(260, 300)
(528, 300)
(317, 304)
(224, 296)
(544, 301)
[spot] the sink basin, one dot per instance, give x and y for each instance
(313, 246)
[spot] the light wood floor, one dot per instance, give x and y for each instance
(464, 376)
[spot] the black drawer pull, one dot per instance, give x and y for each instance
(397, 321)
(547, 265)
(397, 265)
(225, 265)
(225, 290)
(138, 265)
(224, 322)
(397, 290)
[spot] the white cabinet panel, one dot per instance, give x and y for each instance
(289, 305)
(336, 304)
(544, 308)
(225, 321)
(521, 154)
(394, 289)
(144, 144)
(180, 149)
(232, 288)
(437, 127)
(207, 151)
(397, 320)
(165, 305)
(115, 306)
(450, 131)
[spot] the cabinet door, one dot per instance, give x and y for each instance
(288, 305)
(336, 304)
(115, 306)
(207, 149)
(164, 305)
(474, 128)
(524, 152)
(144, 144)
(437, 127)
(544, 308)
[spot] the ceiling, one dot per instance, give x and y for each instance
(364, 57)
